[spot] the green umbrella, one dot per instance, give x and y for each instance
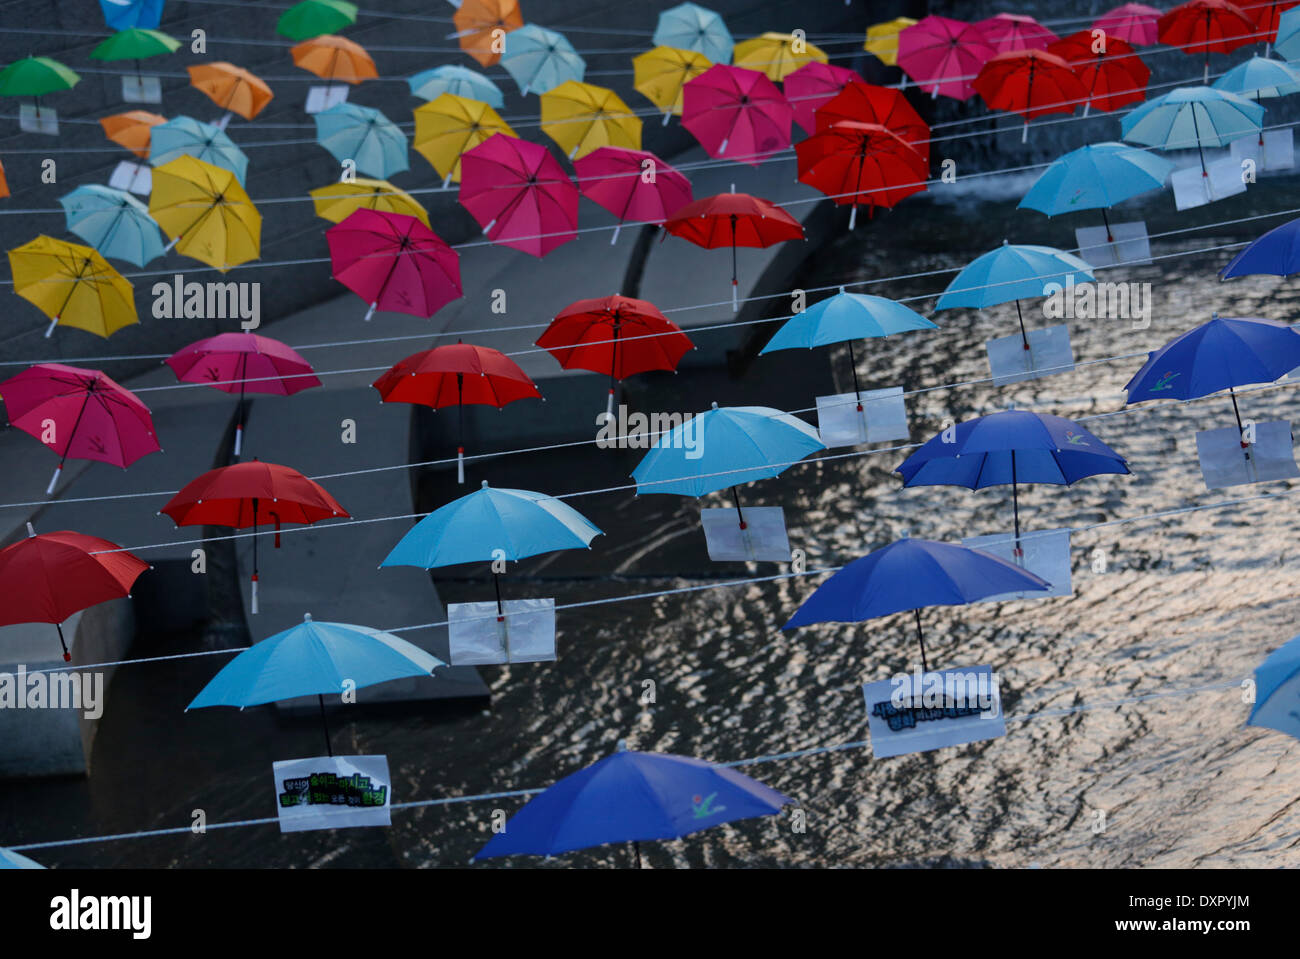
(34, 76)
(135, 44)
(313, 18)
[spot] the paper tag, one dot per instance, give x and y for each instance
(141, 89)
(1225, 463)
(322, 98)
(134, 177)
(1049, 353)
(917, 712)
(883, 417)
(1044, 552)
(1276, 153)
(1192, 188)
(523, 633)
(763, 538)
(332, 792)
(30, 120)
(1129, 244)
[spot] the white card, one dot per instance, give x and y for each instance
(477, 636)
(1049, 353)
(1276, 153)
(763, 538)
(1194, 187)
(332, 792)
(141, 89)
(134, 177)
(883, 417)
(1044, 552)
(322, 98)
(1225, 463)
(44, 121)
(1128, 244)
(956, 706)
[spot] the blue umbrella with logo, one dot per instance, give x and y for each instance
(12, 860)
(1277, 691)
(114, 222)
(126, 14)
(688, 26)
(1189, 117)
(181, 136)
(1260, 78)
(540, 59)
(1277, 252)
(632, 797)
(1096, 177)
(457, 80)
(365, 136)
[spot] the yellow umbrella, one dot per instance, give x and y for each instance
(336, 201)
(581, 118)
(206, 212)
(72, 285)
(776, 54)
(448, 126)
(661, 72)
(882, 39)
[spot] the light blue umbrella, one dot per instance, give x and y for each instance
(1287, 43)
(1259, 78)
(365, 136)
(114, 222)
(463, 82)
(12, 860)
(1189, 117)
(1277, 691)
(125, 14)
(691, 27)
(540, 59)
(186, 136)
(1096, 177)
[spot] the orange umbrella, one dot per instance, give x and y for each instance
(232, 88)
(475, 22)
(4, 184)
(335, 58)
(132, 130)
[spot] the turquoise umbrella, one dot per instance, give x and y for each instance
(458, 80)
(12, 860)
(1096, 177)
(1277, 690)
(1193, 117)
(1260, 78)
(540, 59)
(114, 222)
(1288, 34)
(185, 136)
(365, 136)
(690, 27)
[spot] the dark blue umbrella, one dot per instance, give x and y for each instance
(909, 575)
(629, 797)
(1011, 447)
(1277, 252)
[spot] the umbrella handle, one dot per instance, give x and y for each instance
(614, 239)
(460, 464)
(735, 297)
(49, 330)
(239, 438)
(253, 604)
(371, 312)
(54, 479)
(668, 115)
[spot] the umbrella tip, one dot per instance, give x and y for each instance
(1005, 241)
(306, 617)
(622, 746)
(484, 485)
(715, 404)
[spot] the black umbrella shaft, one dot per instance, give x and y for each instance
(1024, 337)
(735, 495)
(636, 853)
(853, 365)
(66, 655)
(920, 638)
(733, 249)
(496, 585)
(1015, 500)
(76, 423)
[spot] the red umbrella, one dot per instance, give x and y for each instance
(1265, 14)
(234, 496)
(49, 577)
(736, 113)
(812, 85)
(519, 194)
(1134, 23)
(616, 335)
(861, 164)
(455, 375)
(868, 103)
(1013, 31)
(1110, 71)
(393, 262)
(734, 219)
(944, 55)
(1207, 26)
(79, 413)
(1029, 82)
(243, 362)
(632, 185)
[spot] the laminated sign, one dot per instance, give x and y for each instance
(1225, 462)
(522, 632)
(1044, 552)
(1276, 152)
(882, 417)
(320, 99)
(916, 712)
(1196, 187)
(332, 792)
(141, 90)
(1122, 243)
(762, 538)
(133, 177)
(1049, 352)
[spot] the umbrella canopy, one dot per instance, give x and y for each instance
(882, 39)
(132, 130)
(457, 80)
(1277, 687)
(867, 103)
(540, 59)
(206, 212)
(364, 135)
(135, 43)
(1096, 177)
(580, 118)
(1266, 15)
(8, 858)
(616, 179)
(232, 88)
(476, 21)
(456, 375)
(1288, 35)
(1134, 23)
(1193, 117)
(394, 263)
(185, 136)
(1206, 26)
(335, 201)
(812, 86)
(35, 77)
(448, 126)
(73, 285)
(114, 222)
(632, 797)
(334, 58)
(943, 55)
(691, 27)
(1219, 355)
(1260, 78)
(311, 18)
(519, 194)
(125, 14)
(1277, 252)
(736, 113)
(845, 317)
(243, 362)
(660, 74)
(1007, 32)
(1112, 74)
(1033, 83)
(777, 54)
(1012, 272)
(861, 164)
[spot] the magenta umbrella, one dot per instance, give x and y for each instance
(1134, 23)
(243, 362)
(519, 194)
(813, 85)
(736, 113)
(632, 185)
(944, 55)
(1006, 32)
(393, 262)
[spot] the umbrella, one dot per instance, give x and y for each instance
(235, 495)
(868, 103)
(394, 262)
(477, 23)
(1008, 32)
(1193, 116)
(185, 136)
(632, 797)
(519, 194)
(4, 184)
(615, 335)
(943, 55)
(1013, 272)
(861, 163)
(79, 413)
(457, 80)
(8, 858)
(1096, 177)
(616, 179)
(1206, 26)
(1288, 35)
(363, 135)
(114, 222)
(1014, 446)
(1134, 23)
(882, 39)
(73, 285)
(540, 59)
(132, 130)
(456, 375)
(736, 113)
(1277, 690)
(334, 58)
(34, 77)
(911, 574)
(206, 212)
(314, 659)
(777, 54)
(135, 44)
(660, 74)
(1111, 73)
(232, 88)
(448, 126)
(1266, 15)
(1259, 78)
(812, 86)
(1032, 83)
(125, 14)
(49, 577)
(580, 118)
(1277, 252)
(243, 362)
(335, 201)
(733, 219)
(691, 27)
(311, 18)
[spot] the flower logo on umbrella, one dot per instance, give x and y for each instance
(1075, 439)
(702, 806)
(1165, 382)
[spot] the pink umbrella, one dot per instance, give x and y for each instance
(79, 413)
(811, 86)
(393, 262)
(1134, 23)
(737, 112)
(1014, 31)
(944, 55)
(519, 194)
(243, 361)
(632, 185)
